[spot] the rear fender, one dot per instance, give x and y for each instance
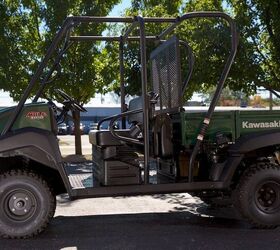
(244, 145)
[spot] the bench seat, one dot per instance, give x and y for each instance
(104, 138)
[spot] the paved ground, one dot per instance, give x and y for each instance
(176, 221)
(173, 221)
(67, 145)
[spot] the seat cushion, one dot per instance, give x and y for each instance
(105, 138)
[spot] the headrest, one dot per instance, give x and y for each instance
(136, 103)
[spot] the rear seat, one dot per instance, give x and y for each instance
(104, 138)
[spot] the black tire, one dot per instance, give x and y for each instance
(26, 204)
(257, 196)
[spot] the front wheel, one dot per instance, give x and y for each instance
(257, 196)
(26, 204)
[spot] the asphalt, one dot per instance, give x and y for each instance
(173, 221)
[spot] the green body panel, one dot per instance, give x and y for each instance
(221, 122)
(254, 121)
(233, 124)
(35, 115)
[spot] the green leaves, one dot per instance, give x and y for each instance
(26, 30)
(258, 59)
(28, 26)
(259, 27)
(210, 40)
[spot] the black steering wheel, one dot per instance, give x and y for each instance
(70, 102)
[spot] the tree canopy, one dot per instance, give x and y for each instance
(257, 61)
(26, 30)
(259, 26)
(28, 26)
(208, 38)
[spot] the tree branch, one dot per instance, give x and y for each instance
(271, 90)
(35, 9)
(265, 60)
(275, 93)
(267, 19)
(269, 25)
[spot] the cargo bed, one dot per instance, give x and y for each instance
(233, 124)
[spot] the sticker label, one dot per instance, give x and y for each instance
(36, 115)
(252, 125)
(200, 137)
(206, 121)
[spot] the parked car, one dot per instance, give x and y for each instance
(93, 126)
(62, 129)
(72, 128)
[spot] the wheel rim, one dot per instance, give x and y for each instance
(267, 197)
(20, 205)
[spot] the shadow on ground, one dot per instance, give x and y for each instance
(184, 202)
(73, 158)
(177, 230)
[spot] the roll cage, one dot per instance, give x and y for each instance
(72, 22)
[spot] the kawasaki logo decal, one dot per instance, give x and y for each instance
(274, 124)
(36, 115)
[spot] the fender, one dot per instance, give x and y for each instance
(245, 144)
(254, 141)
(36, 144)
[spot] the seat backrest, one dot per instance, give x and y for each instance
(136, 103)
(166, 75)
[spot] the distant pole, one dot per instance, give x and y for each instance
(270, 100)
(121, 58)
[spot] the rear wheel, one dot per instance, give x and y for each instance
(26, 204)
(257, 195)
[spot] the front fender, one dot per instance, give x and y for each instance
(36, 144)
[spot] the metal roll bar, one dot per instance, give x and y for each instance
(191, 64)
(138, 21)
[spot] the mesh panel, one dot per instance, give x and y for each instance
(166, 75)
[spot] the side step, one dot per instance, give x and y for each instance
(81, 180)
(80, 175)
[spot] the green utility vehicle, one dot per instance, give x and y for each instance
(226, 155)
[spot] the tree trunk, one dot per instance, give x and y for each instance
(77, 132)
